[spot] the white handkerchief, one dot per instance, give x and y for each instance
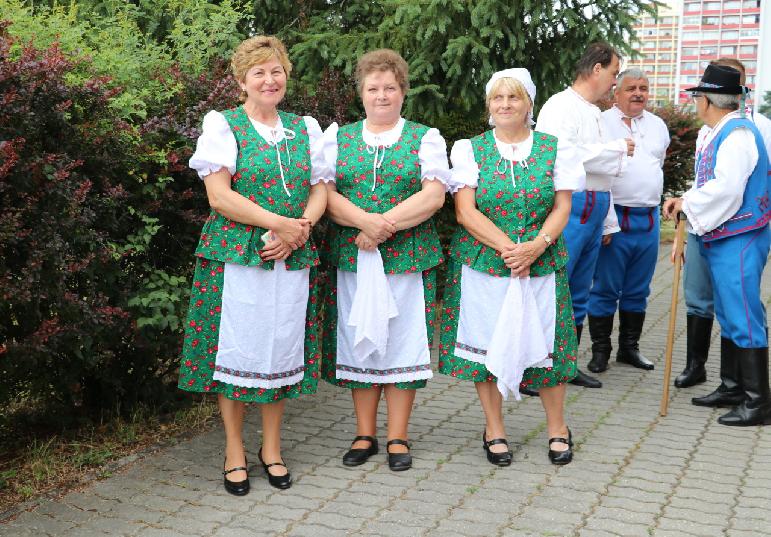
(518, 339)
(373, 305)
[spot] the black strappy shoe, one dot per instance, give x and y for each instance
(499, 459)
(399, 462)
(561, 457)
(237, 488)
(355, 457)
(277, 481)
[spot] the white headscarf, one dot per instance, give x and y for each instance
(517, 73)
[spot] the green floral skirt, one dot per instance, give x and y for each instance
(565, 344)
(199, 348)
(328, 362)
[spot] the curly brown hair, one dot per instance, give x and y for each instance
(257, 50)
(383, 59)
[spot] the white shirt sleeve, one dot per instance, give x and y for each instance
(600, 158)
(433, 158)
(719, 199)
(216, 147)
(329, 150)
(764, 126)
(319, 170)
(568, 172)
(465, 172)
(605, 158)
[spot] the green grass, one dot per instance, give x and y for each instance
(42, 462)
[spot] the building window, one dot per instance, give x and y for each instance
(666, 21)
(691, 20)
(751, 19)
(731, 4)
(731, 34)
(710, 35)
(731, 19)
(690, 51)
(728, 51)
(748, 49)
(750, 80)
(712, 6)
(691, 7)
(708, 51)
(691, 36)
(689, 66)
(753, 32)
(750, 65)
(749, 4)
(712, 20)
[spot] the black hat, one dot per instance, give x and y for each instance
(720, 79)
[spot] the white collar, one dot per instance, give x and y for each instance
(622, 115)
(581, 98)
(720, 124)
(385, 138)
(518, 151)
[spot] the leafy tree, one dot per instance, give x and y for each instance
(452, 46)
(765, 108)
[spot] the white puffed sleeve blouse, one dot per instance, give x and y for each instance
(432, 153)
(217, 148)
(568, 170)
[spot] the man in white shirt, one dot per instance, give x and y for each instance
(728, 208)
(573, 116)
(697, 285)
(625, 266)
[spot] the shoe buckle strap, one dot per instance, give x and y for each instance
(236, 469)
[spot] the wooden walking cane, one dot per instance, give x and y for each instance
(679, 245)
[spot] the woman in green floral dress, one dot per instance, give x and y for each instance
(390, 176)
(252, 333)
(507, 318)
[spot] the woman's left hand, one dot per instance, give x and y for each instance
(521, 256)
(364, 242)
(275, 250)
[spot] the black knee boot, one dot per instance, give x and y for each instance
(582, 379)
(600, 329)
(729, 393)
(629, 330)
(698, 335)
(756, 407)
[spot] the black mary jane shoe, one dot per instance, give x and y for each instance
(237, 488)
(277, 481)
(398, 462)
(355, 457)
(561, 457)
(502, 458)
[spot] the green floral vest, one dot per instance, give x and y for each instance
(410, 250)
(258, 178)
(519, 210)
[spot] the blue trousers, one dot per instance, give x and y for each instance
(583, 236)
(697, 283)
(736, 266)
(622, 279)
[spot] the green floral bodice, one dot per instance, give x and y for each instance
(258, 178)
(399, 177)
(519, 209)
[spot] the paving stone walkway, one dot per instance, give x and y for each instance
(634, 473)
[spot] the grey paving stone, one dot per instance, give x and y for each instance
(633, 474)
(688, 527)
(615, 527)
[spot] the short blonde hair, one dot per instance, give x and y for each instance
(257, 50)
(383, 59)
(509, 85)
